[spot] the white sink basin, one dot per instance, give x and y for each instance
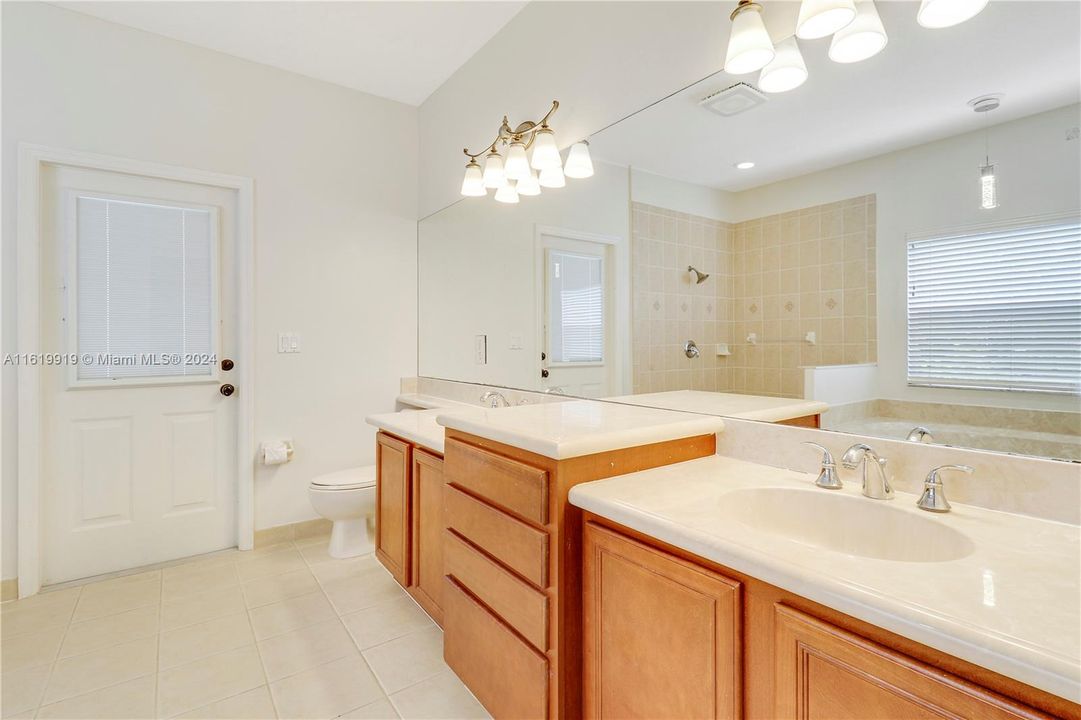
(846, 524)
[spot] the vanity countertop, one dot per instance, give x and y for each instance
(418, 426)
(748, 407)
(1010, 606)
(579, 427)
(429, 402)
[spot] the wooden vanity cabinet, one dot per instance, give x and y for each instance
(658, 621)
(409, 519)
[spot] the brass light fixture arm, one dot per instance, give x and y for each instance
(525, 132)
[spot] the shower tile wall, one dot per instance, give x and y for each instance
(779, 277)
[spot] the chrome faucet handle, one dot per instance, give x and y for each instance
(876, 485)
(933, 498)
(827, 476)
(494, 399)
(920, 434)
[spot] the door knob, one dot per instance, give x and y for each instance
(227, 389)
(544, 373)
(227, 364)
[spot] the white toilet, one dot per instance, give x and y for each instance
(347, 498)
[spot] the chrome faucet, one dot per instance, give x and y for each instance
(933, 498)
(827, 475)
(920, 434)
(494, 399)
(876, 483)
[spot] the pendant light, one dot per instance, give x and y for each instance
(749, 46)
(936, 14)
(862, 38)
(493, 171)
(552, 178)
(507, 194)
(545, 150)
(579, 164)
(473, 182)
(517, 165)
(786, 72)
(819, 18)
(529, 185)
(988, 178)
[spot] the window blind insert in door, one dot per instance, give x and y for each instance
(997, 310)
(576, 308)
(145, 290)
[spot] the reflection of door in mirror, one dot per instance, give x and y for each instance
(576, 328)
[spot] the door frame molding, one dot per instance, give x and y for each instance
(32, 159)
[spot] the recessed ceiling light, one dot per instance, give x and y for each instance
(744, 165)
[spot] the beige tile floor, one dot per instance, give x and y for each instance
(280, 632)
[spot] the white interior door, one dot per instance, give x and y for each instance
(138, 311)
(578, 315)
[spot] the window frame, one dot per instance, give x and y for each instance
(71, 289)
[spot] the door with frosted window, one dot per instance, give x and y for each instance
(139, 421)
(577, 323)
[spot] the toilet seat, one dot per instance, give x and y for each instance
(351, 479)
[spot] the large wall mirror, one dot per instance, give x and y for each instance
(868, 240)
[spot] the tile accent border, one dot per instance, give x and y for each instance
(9, 589)
(292, 531)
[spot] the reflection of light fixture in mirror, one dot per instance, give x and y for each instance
(936, 14)
(749, 45)
(699, 276)
(507, 194)
(862, 38)
(529, 185)
(745, 165)
(552, 178)
(786, 72)
(988, 180)
(517, 174)
(819, 18)
(579, 164)
(473, 183)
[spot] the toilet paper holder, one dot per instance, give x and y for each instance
(277, 453)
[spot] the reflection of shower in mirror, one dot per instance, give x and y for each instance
(700, 277)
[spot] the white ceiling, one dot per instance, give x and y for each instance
(915, 91)
(397, 50)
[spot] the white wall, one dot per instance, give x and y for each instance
(335, 218)
(477, 276)
(934, 186)
(682, 196)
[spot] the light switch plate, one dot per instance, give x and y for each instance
(516, 341)
(288, 342)
(480, 349)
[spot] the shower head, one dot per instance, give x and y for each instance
(700, 277)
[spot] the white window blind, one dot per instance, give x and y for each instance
(576, 308)
(144, 279)
(997, 310)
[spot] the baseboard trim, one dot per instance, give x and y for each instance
(9, 589)
(293, 531)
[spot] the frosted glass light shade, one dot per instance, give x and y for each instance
(819, 18)
(545, 150)
(552, 178)
(529, 185)
(493, 171)
(988, 189)
(517, 165)
(473, 182)
(579, 164)
(749, 46)
(862, 38)
(786, 72)
(507, 194)
(945, 13)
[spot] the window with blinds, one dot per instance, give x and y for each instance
(997, 310)
(575, 308)
(144, 301)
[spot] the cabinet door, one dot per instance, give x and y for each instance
(825, 672)
(662, 635)
(393, 461)
(426, 574)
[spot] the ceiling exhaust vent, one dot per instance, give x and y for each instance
(734, 100)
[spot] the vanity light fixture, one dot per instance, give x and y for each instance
(786, 72)
(745, 165)
(522, 173)
(862, 38)
(749, 46)
(937, 14)
(819, 18)
(988, 180)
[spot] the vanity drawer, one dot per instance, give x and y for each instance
(508, 677)
(520, 605)
(521, 547)
(522, 489)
